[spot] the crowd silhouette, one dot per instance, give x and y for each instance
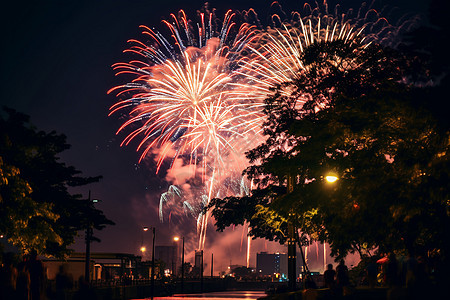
(27, 280)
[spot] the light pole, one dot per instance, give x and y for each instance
(201, 274)
(330, 179)
(143, 249)
(176, 239)
(88, 238)
(153, 263)
(292, 253)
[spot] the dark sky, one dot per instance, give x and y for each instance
(56, 59)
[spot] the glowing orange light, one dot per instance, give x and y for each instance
(331, 178)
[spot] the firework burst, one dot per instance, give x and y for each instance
(188, 97)
(199, 92)
(277, 52)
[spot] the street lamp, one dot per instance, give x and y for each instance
(176, 239)
(153, 262)
(88, 238)
(330, 179)
(143, 249)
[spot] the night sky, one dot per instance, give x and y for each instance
(56, 59)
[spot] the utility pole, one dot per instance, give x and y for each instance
(182, 267)
(212, 265)
(201, 273)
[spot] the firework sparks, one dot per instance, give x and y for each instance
(200, 92)
(277, 53)
(191, 98)
(188, 98)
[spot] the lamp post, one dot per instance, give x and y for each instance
(143, 249)
(330, 179)
(153, 263)
(292, 253)
(88, 238)
(201, 274)
(176, 239)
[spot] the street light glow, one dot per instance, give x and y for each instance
(143, 249)
(331, 178)
(176, 238)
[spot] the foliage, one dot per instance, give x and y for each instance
(264, 223)
(186, 268)
(243, 273)
(25, 222)
(37, 211)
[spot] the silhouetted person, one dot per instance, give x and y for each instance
(8, 276)
(391, 271)
(63, 283)
(85, 292)
(419, 284)
(23, 281)
(372, 272)
(37, 276)
(342, 274)
(342, 279)
(328, 276)
(411, 271)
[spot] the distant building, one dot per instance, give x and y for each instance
(271, 263)
(103, 266)
(268, 264)
(198, 259)
(169, 255)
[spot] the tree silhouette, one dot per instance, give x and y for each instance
(37, 210)
(367, 123)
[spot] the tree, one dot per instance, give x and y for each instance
(369, 126)
(186, 268)
(18, 209)
(37, 210)
(243, 273)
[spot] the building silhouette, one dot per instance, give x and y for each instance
(169, 255)
(271, 263)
